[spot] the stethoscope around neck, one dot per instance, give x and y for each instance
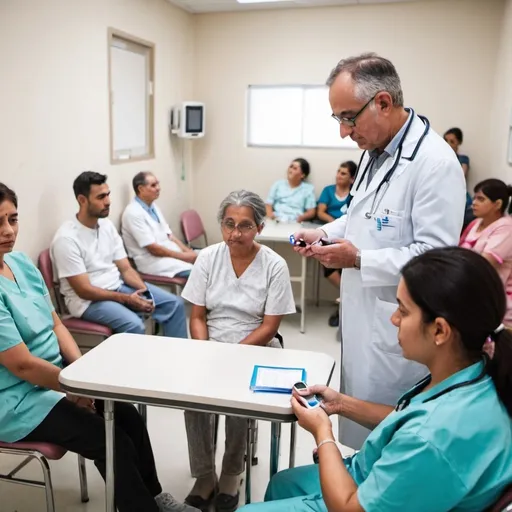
(422, 384)
(377, 198)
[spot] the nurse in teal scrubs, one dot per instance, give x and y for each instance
(33, 343)
(447, 446)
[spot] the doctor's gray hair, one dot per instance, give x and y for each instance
(244, 198)
(371, 74)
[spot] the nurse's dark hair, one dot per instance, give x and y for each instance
(456, 132)
(7, 194)
(462, 287)
(371, 74)
(243, 198)
(496, 189)
(351, 166)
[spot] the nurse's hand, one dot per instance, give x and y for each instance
(331, 399)
(314, 420)
(340, 254)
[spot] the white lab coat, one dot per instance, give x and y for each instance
(424, 206)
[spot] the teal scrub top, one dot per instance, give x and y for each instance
(453, 453)
(25, 316)
(288, 203)
(335, 207)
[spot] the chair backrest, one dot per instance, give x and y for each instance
(192, 226)
(504, 504)
(46, 268)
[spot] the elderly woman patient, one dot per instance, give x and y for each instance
(447, 446)
(33, 344)
(239, 292)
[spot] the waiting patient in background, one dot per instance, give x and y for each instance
(490, 234)
(239, 292)
(333, 204)
(454, 138)
(96, 278)
(293, 199)
(148, 238)
(34, 344)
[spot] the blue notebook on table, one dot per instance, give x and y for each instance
(275, 379)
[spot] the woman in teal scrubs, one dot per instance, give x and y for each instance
(447, 446)
(33, 343)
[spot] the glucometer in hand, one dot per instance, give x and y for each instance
(300, 242)
(308, 401)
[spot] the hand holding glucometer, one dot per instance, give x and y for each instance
(309, 401)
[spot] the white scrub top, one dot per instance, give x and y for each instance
(236, 305)
(140, 229)
(77, 249)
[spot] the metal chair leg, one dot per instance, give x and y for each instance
(143, 411)
(48, 486)
(82, 475)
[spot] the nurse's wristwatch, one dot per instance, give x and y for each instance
(357, 263)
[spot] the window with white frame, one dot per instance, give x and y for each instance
(292, 116)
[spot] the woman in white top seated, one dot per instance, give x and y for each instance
(239, 292)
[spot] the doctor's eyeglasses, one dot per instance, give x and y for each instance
(351, 121)
(244, 227)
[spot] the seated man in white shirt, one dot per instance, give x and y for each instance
(147, 236)
(96, 278)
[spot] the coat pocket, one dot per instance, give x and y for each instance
(384, 333)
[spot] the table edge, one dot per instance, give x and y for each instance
(179, 404)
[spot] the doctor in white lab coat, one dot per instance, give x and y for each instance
(393, 217)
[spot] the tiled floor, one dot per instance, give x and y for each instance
(167, 432)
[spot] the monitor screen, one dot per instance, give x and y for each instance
(194, 122)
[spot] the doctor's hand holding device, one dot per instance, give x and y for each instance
(408, 197)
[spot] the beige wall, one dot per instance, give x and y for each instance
(502, 101)
(54, 104)
(445, 52)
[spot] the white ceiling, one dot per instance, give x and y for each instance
(200, 6)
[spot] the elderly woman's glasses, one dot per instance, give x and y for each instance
(244, 227)
(351, 121)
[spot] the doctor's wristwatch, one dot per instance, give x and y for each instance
(357, 263)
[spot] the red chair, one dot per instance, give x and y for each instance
(504, 504)
(42, 452)
(74, 325)
(192, 227)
